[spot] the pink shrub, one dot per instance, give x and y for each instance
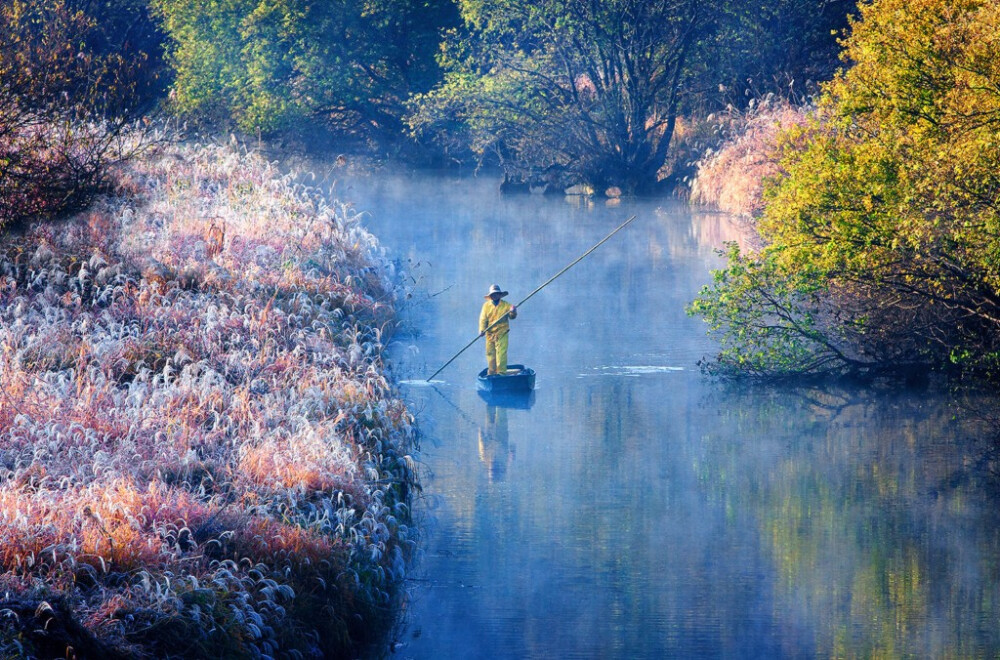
(731, 178)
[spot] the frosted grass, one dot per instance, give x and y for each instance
(197, 441)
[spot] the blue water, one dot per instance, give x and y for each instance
(634, 508)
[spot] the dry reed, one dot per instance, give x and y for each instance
(731, 177)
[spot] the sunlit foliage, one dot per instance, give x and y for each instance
(883, 238)
(199, 452)
(731, 178)
(269, 65)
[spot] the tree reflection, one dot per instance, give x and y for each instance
(883, 536)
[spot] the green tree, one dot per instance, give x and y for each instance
(884, 235)
(270, 63)
(127, 32)
(567, 90)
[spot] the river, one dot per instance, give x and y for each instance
(635, 508)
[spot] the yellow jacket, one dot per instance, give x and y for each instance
(493, 312)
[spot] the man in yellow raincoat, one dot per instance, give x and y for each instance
(494, 309)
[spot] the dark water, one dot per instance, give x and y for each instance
(634, 508)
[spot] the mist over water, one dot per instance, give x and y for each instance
(634, 508)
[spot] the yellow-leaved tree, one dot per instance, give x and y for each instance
(882, 235)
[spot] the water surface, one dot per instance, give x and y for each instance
(633, 508)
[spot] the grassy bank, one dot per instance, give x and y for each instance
(200, 454)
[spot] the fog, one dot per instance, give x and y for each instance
(634, 507)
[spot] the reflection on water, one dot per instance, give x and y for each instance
(634, 508)
(495, 450)
(518, 400)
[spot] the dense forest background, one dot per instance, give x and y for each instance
(555, 93)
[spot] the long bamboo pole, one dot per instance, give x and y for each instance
(528, 297)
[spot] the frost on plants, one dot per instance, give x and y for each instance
(200, 454)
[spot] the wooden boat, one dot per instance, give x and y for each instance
(518, 379)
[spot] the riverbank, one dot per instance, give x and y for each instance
(200, 452)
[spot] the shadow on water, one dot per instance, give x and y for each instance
(633, 508)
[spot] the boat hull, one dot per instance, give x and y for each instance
(519, 379)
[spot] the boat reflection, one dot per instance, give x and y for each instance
(495, 450)
(516, 400)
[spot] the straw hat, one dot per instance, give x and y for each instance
(496, 289)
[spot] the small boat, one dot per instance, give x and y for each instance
(518, 378)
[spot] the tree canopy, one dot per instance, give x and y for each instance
(269, 63)
(568, 86)
(569, 91)
(883, 237)
(556, 91)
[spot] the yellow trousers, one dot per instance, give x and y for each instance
(496, 353)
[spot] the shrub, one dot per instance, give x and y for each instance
(882, 234)
(731, 177)
(66, 91)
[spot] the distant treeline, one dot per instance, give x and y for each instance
(555, 91)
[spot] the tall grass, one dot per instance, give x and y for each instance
(731, 177)
(200, 454)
